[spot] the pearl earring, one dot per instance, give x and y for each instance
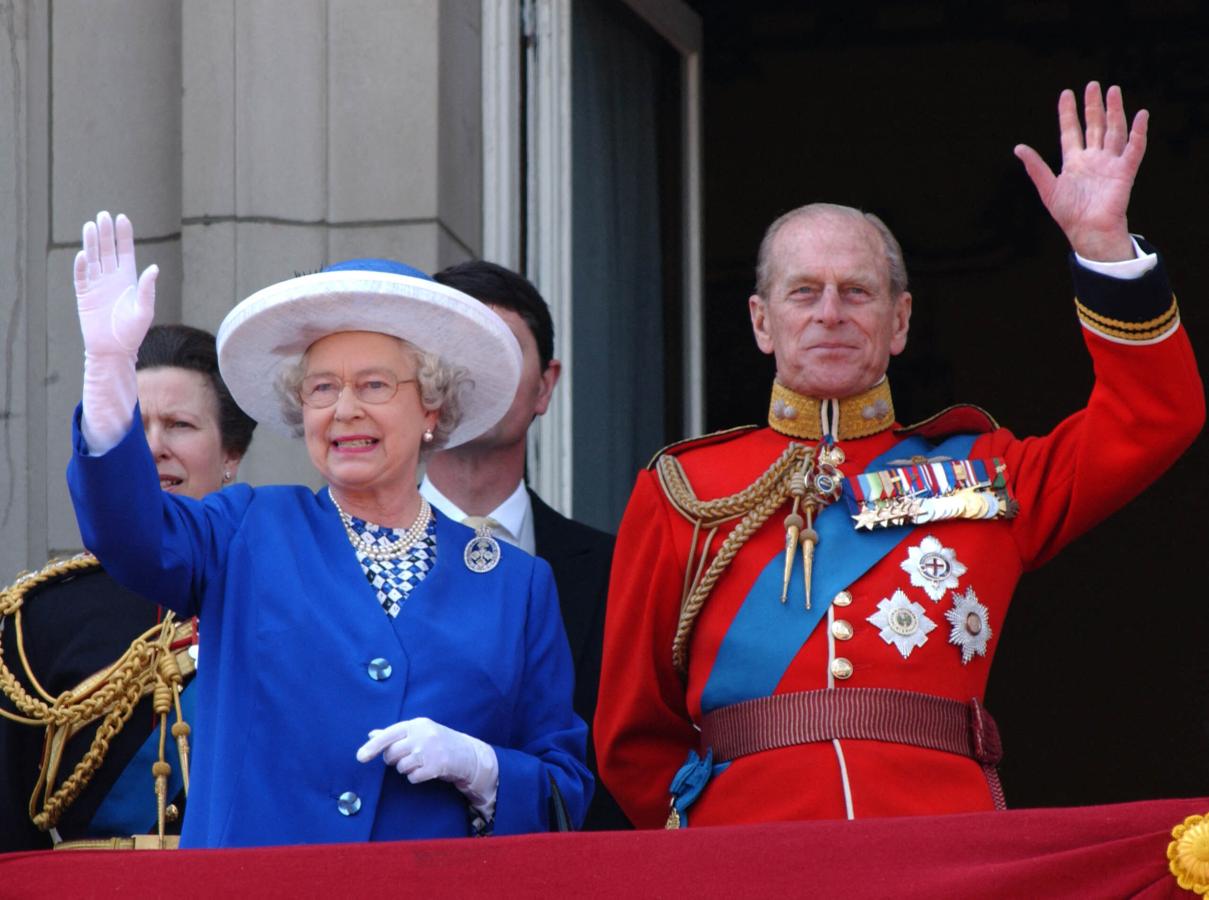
(226, 475)
(428, 435)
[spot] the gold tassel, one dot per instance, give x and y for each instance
(161, 770)
(793, 521)
(810, 537)
(181, 731)
(793, 527)
(161, 702)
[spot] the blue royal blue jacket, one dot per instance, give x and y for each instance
(289, 626)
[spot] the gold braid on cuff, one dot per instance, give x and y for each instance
(1129, 331)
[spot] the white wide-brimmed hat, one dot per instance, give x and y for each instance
(271, 329)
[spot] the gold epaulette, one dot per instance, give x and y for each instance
(12, 596)
(157, 662)
(705, 440)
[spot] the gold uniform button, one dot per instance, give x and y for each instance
(841, 668)
(843, 598)
(841, 630)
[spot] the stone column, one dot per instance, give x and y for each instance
(321, 130)
(21, 500)
(247, 141)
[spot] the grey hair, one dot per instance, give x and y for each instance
(896, 267)
(441, 387)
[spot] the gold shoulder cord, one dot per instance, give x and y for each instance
(755, 504)
(149, 666)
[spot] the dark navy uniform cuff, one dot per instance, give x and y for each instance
(1138, 310)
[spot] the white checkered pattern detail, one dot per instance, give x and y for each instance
(393, 579)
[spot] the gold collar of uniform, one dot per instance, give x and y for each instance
(796, 415)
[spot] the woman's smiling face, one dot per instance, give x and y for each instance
(357, 446)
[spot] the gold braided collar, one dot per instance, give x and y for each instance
(796, 415)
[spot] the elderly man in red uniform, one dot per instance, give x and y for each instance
(802, 617)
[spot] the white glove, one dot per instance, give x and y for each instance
(423, 750)
(115, 312)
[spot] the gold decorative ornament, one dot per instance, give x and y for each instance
(753, 505)
(799, 416)
(150, 665)
(809, 475)
(812, 487)
(1188, 854)
(793, 471)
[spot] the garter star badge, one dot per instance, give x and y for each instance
(971, 628)
(933, 567)
(903, 623)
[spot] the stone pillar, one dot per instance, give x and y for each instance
(114, 144)
(247, 140)
(18, 496)
(320, 130)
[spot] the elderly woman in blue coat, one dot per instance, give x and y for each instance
(374, 671)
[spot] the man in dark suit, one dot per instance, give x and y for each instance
(484, 480)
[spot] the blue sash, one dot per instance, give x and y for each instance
(129, 807)
(766, 635)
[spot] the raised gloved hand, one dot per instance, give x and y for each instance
(423, 750)
(116, 307)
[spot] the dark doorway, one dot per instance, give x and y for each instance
(911, 110)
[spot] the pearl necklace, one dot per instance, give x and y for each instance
(367, 544)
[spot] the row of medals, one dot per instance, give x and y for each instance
(963, 503)
(824, 486)
(978, 501)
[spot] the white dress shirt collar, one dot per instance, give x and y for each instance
(514, 514)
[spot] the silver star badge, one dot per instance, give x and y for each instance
(933, 567)
(903, 623)
(971, 626)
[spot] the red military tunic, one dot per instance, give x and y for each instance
(1147, 405)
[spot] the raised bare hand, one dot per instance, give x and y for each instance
(1090, 196)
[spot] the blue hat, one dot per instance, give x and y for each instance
(374, 264)
(271, 329)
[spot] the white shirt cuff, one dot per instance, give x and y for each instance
(1127, 269)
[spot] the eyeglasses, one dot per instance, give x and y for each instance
(322, 391)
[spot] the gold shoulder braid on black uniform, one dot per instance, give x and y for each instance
(149, 666)
(755, 504)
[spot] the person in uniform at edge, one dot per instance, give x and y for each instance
(351, 627)
(77, 621)
(486, 478)
(822, 597)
